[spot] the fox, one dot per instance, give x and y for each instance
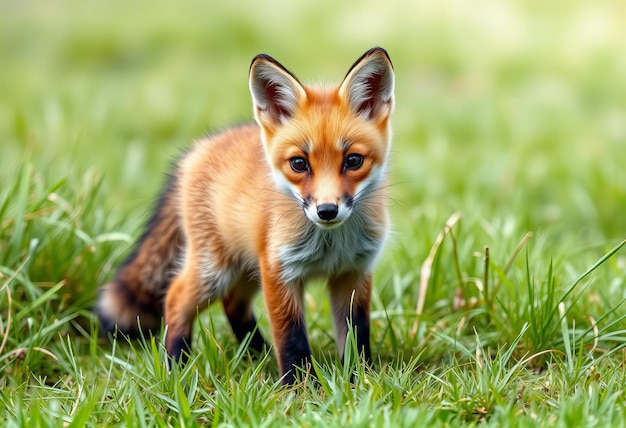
(298, 194)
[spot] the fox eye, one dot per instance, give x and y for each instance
(353, 161)
(299, 164)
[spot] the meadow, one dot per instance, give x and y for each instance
(500, 299)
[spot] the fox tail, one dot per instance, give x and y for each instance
(133, 301)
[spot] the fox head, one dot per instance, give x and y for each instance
(326, 146)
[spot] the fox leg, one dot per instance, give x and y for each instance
(284, 303)
(237, 305)
(184, 298)
(350, 295)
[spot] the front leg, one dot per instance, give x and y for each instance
(181, 304)
(284, 302)
(350, 295)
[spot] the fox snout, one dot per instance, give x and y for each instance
(327, 212)
(328, 215)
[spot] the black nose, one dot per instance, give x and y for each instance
(327, 211)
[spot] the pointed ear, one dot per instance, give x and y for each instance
(276, 92)
(368, 86)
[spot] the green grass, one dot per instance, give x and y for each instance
(510, 114)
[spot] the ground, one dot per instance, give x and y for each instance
(499, 297)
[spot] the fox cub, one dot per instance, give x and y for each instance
(268, 206)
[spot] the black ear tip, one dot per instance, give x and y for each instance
(269, 60)
(377, 50)
(262, 57)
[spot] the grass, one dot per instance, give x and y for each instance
(500, 297)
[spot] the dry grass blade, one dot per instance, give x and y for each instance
(8, 327)
(516, 251)
(427, 266)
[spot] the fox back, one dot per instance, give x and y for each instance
(301, 194)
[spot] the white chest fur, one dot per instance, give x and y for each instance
(320, 252)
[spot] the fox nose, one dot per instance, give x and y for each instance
(327, 211)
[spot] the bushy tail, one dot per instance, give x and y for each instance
(134, 299)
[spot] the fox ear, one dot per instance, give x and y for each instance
(276, 92)
(368, 86)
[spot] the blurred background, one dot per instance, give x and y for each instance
(513, 112)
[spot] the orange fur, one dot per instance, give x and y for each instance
(300, 195)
